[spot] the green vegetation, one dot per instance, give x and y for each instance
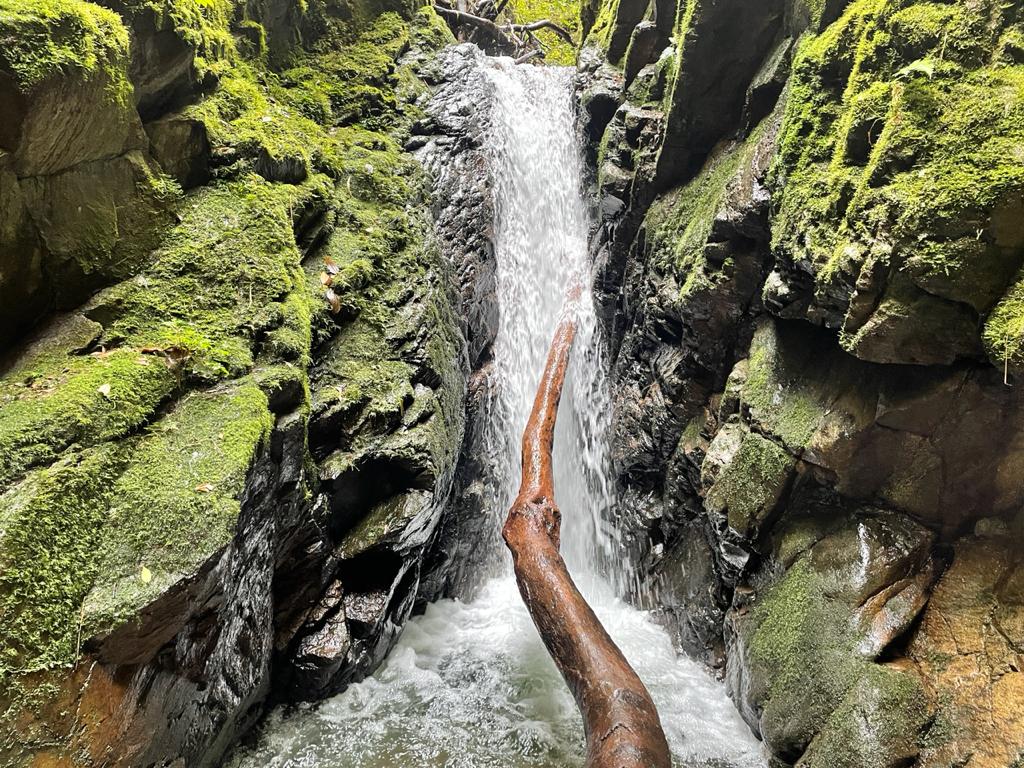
(903, 140)
(751, 485)
(126, 438)
(802, 647)
(42, 39)
(564, 13)
(177, 502)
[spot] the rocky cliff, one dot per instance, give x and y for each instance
(232, 394)
(810, 270)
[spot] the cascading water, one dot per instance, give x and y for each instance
(470, 685)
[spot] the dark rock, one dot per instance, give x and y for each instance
(181, 146)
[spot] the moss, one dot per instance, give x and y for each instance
(900, 132)
(80, 399)
(788, 412)
(565, 13)
(803, 649)
(879, 722)
(203, 25)
(216, 283)
(177, 502)
(42, 39)
(750, 486)
(679, 223)
(50, 524)
(1004, 329)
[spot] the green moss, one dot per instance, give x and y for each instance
(41, 39)
(50, 524)
(216, 283)
(177, 502)
(803, 648)
(788, 412)
(203, 25)
(565, 13)
(1004, 330)
(679, 223)
(750, 486)
(901, 134)
(879, 721)
(80, 399)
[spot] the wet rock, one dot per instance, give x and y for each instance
(791, 666)
(181, 146)
(459, 118)
(968, 649)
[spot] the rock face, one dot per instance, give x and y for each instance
(222, 472)
(451, 146)
(807, 261)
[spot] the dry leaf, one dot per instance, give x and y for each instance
(104, 389)
(204, 487)
(334, 300)
(331, 266)
(325, 279)
(146, 575)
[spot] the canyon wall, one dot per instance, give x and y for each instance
(812, 234)
(234, 370)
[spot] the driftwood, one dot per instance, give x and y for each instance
(619, 718)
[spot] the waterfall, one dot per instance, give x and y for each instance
(469, 684)
(542, 229)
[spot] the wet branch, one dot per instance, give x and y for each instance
(620, 721)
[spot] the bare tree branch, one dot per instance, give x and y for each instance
(620, 720)
(533, 26)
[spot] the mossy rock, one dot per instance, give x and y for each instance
(902, 136)
(177, 503)
(803, 665)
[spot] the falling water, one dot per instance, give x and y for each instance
(470, 685)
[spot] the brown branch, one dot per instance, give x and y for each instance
(504, 35)
(461, 17)
(620, 721)
(531, 55)
(533, 26)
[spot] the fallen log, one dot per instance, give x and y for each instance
(620, 721)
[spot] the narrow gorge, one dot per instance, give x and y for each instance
(277, 282)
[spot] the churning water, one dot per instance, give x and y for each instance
(470, 685)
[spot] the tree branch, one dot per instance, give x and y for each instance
(533, 26)
(620, 720)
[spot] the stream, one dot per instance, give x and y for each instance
(469, 683)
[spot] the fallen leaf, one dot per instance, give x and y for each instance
(146, 575)
(334, 300)
(325, 279)
(204, 487)
(331, 266)
(104, 389)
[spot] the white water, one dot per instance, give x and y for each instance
(470, 685)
